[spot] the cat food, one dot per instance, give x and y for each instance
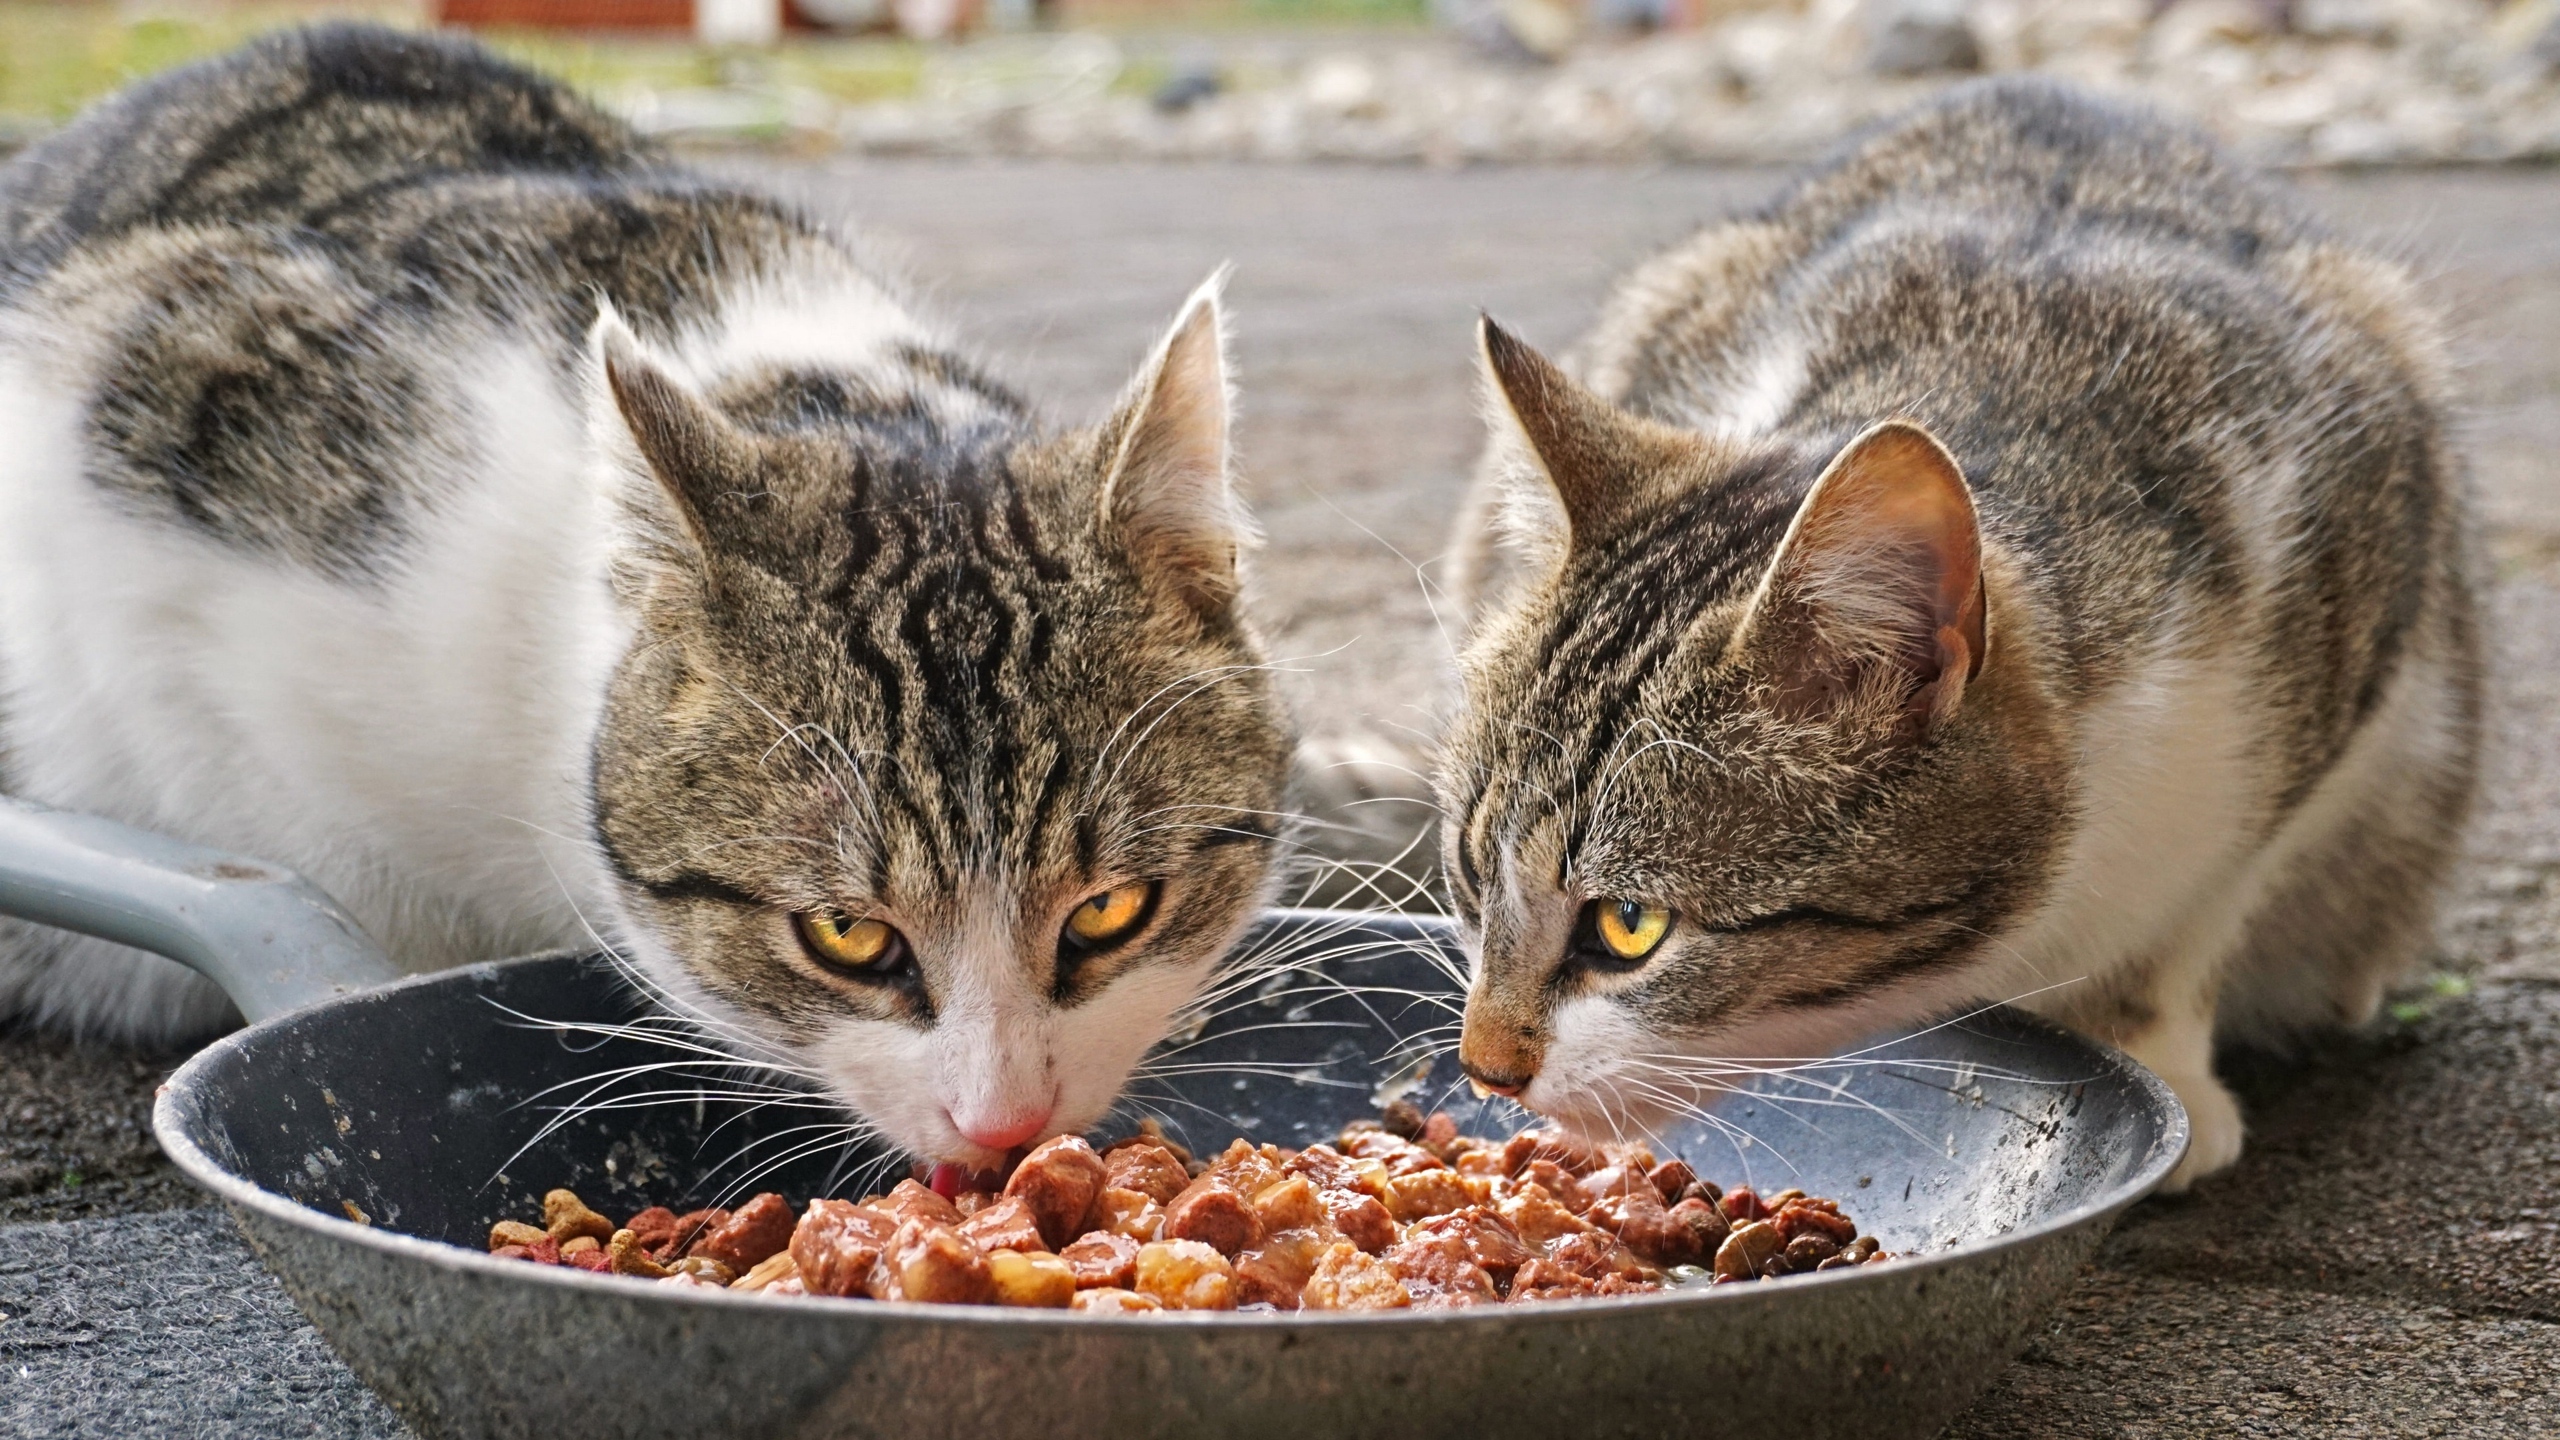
(1399, 1213)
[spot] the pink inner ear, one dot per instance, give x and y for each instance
(1885, 566)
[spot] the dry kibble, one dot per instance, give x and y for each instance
(565, 1217)
(655, 1226)
(1746, 1250)
(1036, 1280)
(545, 1251)
(1704, 1220)
(1401, 1118)
(1809, 1250)
(627, 1256)
(514, 1232)
(579, 1246)
(1801, 1216)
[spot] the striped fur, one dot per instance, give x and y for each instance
(2203, 766)
(417, 480)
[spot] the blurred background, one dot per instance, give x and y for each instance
(2294, 82)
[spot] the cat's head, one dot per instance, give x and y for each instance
(941, 760)
(1746, 765)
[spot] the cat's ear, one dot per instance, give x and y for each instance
(1167, 493)
(1575, 462)
(654, 426)
(1876, 593)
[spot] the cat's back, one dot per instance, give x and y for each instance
(2050, 164)
(424, 171)
(2205, 433)
(305, 129)
(283, 297)
(2182, 404)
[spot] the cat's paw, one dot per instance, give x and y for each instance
(2214, 1129)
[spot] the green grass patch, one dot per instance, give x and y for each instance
(2429, 996)
(57, 58)
(54, 59)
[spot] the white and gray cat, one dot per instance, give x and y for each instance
(2025, 561)
(413, 479)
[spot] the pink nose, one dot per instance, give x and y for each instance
(1004, 1134)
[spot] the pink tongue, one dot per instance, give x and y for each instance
(948, 1180)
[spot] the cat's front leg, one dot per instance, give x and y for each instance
(2177, 1046)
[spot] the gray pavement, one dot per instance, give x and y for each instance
(164, 1326)
(2385, 1261)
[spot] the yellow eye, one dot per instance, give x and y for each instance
(844, 943)
(1111, 915)
(1629, 929)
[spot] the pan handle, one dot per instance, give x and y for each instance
(267, 936)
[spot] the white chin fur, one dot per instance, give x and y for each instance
(1017, 1055)
(1605, 1073)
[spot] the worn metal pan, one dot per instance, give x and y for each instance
(366, 1138)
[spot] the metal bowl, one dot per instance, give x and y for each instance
(366, 1143)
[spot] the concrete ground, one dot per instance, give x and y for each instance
(2386, 1259)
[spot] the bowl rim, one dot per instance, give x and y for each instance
(179, 1099)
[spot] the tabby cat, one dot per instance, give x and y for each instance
(414, 479)
(2025, 561)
